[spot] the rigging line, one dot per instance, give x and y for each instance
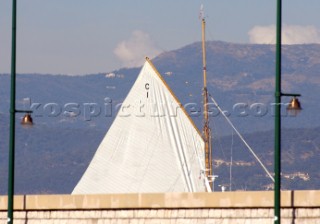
(215, 131)
(231, 161)
(171, 188)
(210, 35)
(240, 136)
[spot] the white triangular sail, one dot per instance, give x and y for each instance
(152, 145)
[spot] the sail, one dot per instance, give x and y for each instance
(152, 145)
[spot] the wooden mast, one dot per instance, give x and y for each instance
(206, 128)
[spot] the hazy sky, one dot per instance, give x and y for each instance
(90, 36)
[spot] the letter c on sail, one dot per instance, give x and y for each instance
(147, 88)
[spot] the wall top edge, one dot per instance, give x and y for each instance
(236, 199)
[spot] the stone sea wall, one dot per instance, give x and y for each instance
(169, 208)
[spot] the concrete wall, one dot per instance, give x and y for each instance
(169, 208)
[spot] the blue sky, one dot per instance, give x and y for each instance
(82, 36)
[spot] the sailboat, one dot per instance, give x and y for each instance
(153, 145)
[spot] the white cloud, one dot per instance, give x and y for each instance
(291, 34)
(132, 52)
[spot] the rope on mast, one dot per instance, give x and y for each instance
(206, 127)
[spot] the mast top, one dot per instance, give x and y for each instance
(201, 13)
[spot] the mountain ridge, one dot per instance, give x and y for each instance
(240, 78)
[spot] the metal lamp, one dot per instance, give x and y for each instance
(294, 104)
(27, 119)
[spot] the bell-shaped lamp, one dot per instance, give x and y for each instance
(294, 104)
(27, 119)
(294, 107)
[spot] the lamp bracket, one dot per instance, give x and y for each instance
(23, 111)
(290, 94)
